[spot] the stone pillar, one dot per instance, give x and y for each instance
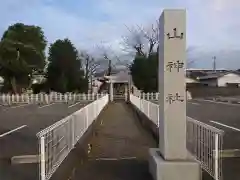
(170, 161)
(172, 86)
(111, 90)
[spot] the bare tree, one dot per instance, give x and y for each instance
(141, 40)
(190, 58)
(134, 42)
(90, 66)
(113, 58)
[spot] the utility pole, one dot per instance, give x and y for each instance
(109, 67)
(214, 63)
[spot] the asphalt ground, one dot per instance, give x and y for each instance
(224, 116)
(119, 149)
(107, 144)
(19, 125)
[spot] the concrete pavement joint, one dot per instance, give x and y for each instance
(229, 153)
(46, 105)
(9, 132)
(224, 125)
(23, 105)
(195, 103)
(218, 102)
(25, 159)
(115, 159)
(74, 104)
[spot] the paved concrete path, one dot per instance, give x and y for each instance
(119, 148)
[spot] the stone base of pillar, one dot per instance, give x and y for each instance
(161, 169)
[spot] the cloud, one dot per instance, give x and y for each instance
(212, 24)
(225, 5)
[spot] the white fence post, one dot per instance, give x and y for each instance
(74, 97)
(8, 99)
(12, 98)
(126, 96)
(65, 98)
(50, 98)
(148, 108)
(26, 96)
(41, 96)
(3, 98)
(152, 95)
(73, 130)
(42, 153)
(17, 98)
(216, 156)
(31, 98)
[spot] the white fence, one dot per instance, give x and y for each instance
(46, 98)
(151, 110)
(204, 142)
(153, 96)
(148, 96)
(56, 141)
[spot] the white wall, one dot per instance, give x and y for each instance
(190, 80)
(210, 82)
(228, 78)
(96, 85)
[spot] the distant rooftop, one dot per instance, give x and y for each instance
(205, 69)
(104, 73)
(217, 75)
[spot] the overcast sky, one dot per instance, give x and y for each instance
(213, 27)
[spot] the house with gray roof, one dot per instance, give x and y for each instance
(221, 79)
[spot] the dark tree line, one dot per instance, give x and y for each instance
(143, 42)
(22, 57)
(144, 71)
(144, 68)
(64, 71)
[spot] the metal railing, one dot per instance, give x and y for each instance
(57, 140)
(204, 142)
(46, 98)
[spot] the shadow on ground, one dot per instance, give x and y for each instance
(116, 134)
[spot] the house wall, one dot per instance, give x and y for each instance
(201, 91)
(190, 80)
(96, 84)
(209, 82)
(228, 78)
